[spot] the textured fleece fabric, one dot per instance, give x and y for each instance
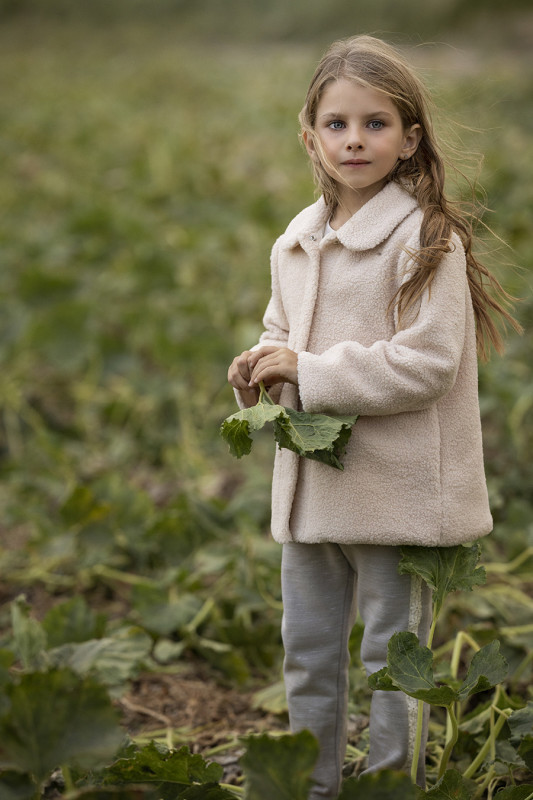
(413, 470)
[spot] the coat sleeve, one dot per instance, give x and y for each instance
(276, 326)
(409, 372)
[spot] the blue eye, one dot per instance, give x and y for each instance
(336, 125)
(375, 124)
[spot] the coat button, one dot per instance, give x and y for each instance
(313, 238)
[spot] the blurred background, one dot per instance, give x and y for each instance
(150, 157)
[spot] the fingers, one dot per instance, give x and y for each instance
(239, 373)
(274, 365)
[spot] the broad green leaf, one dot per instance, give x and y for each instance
(112, 661)
(82, 507)
(113, 793)
(72, 621)
(452, 786)
(522, 792)
(508, 755)
(279, 767)
(525, 750)
(16, 786)
(316, 436)
(410, 667)
(160, 613)
(154, 763)
(6, 660)
(444, 569)
(384, 785)
(205, 792)
(273, 698)
(487, 668)
(57, 718)
(29, 635)
(521, 721)
(382, 681)
(236, 428)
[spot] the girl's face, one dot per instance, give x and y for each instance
(360, 139)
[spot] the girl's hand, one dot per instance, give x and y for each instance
(273, 365)
(239, 375)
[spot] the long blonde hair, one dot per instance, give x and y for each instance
(376, 64)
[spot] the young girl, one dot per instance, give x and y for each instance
(377, 304)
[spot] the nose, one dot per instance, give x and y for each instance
(355, 139)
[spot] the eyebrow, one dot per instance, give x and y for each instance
(334, 115)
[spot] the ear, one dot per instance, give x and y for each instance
(309, 144)
(411, 141)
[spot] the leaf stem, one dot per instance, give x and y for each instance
(476, 763)
(67, 777)
(264, 396)
(418, 741)
(451, 743)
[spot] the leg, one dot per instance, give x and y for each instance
(318, 586)
(389, 602)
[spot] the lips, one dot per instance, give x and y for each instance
(355, 162)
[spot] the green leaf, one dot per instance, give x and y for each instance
(16, 786)
(384, 785)
(381, 680)
(525, 750)
(161, 614)
(206, 792)
(273, 698)
(72, 621)
(6, 661)
(57, 718)
(113, 793)
(521, 792)
(236, 428)
(30, 637)
(410, 667)
(154, 763)
(279, 767)
(452, 786)
(521, 721)
(316, 436)
(112, 661)
(487, 668)
(444, 569)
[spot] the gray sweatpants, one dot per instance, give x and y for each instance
(323, 585)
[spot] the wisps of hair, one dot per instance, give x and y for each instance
(376, 64)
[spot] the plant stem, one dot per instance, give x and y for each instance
(238, 791)
(67, 777)
(478, 761)
(264, 396)
(418, 741)
(451, 743)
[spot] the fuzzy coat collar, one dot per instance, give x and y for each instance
(368, 227)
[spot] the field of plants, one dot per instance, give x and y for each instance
(145, 175)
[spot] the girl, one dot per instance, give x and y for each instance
(377, 304)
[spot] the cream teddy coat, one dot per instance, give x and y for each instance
(413, 470)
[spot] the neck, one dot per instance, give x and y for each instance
(350, 202)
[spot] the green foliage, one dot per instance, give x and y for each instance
(452, 786)
(173, 772)
(315, 436)
(279, 768)
(444, 569)
(56, 718)
(410, 668)
(385, 785)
